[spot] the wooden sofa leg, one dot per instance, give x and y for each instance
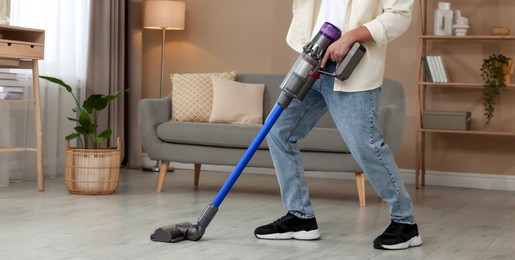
(360, 183)
(196, 171)
(163, 170)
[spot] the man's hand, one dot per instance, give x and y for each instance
(338, 49)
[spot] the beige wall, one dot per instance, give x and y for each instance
(248, 36)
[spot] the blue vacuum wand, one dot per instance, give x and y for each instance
(296, 84)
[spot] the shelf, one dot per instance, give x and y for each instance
(17, 100)
(472, 132)
(21, 48)
(435, 44)
(16, 149)
(469, 37)
(458, 85)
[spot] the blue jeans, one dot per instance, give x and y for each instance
(355, 116)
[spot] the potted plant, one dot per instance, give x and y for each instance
(495, 72)
(90, 168)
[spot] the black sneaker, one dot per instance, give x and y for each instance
(398, 236)
(289, 227)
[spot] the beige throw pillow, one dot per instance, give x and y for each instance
(192, 95)
(237, 103)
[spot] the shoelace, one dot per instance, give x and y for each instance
(393, 229)
(282, 219)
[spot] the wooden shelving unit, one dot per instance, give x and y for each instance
(469, 37)
(423, 86)
(22, 48)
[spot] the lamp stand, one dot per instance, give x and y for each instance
(155, 168)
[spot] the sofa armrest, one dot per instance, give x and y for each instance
(151, 113)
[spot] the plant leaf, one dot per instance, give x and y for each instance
(85, 122)
(71, 136)
(58, 82)
(72, 119)
(105, 134)
(82, 130)
(90, 103)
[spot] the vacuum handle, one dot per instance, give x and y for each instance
(349, 62)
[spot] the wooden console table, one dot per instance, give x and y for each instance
(22, 48)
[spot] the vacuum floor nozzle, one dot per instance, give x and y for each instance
(171, 233)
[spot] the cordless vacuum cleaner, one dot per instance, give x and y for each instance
(296, 84)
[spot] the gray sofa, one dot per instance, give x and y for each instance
(224, 144)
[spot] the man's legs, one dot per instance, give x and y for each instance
(295, 123)
(355, 115)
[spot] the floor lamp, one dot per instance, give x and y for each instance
(163, 15)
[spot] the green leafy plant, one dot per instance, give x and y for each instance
(493, 76)
(86, 129)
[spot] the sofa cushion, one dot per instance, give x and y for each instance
(241, 136)
(192, 95)
(236, 103)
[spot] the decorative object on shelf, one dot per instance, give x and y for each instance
(446, 120)
(90, 169)
(461, 24)
(443, 19)
(163, 15)
(495, 72)
(499, 31)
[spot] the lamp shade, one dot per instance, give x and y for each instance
(164, 14)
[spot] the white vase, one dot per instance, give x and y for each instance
(443, 19)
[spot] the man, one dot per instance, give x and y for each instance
(353, 106)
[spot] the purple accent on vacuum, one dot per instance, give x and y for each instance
(330, 31)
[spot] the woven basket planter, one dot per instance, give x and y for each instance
(92, 171)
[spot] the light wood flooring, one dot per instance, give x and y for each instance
(454, 223)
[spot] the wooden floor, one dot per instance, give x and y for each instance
(454, 223)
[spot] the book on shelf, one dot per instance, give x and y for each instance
(11, 95)
(11, 92)
(8, 75)
(429, 75)
(11, 89)
(438, 70)
(11, 83)
(435, 69)
(441, 68)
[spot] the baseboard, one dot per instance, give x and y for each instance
(433, 178)
(464, 180)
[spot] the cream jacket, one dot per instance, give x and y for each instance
(384, 19)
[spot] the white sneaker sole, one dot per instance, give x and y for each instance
(299, 235)
(414, 241)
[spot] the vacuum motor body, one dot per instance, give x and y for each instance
(304, 72)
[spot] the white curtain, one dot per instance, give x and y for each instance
(66, 25)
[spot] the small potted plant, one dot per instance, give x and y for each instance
(495, 72)
(90, 168)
